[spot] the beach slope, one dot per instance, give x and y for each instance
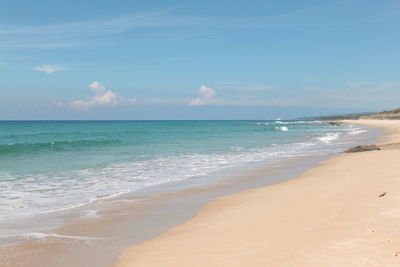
(344, 212)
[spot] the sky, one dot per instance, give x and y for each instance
(209, 59)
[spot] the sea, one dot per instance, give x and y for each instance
(49, 167)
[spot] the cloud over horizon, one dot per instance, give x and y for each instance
(206, 93)
(103, 97)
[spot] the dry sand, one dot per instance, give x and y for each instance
(330, 215)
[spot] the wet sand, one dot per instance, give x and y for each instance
(344, 212)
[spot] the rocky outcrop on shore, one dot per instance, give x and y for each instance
(362, 148)
(335, 123)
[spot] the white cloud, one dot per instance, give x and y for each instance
(198, 102)
(103, 97)
(97, 87)
(49, 69)
(356, 95)
(94, 32)
(206, 93)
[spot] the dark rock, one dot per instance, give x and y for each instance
(383, 194)
(362, 148)
(335, 123)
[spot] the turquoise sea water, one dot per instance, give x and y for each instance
(46, 166)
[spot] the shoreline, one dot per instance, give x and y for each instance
(98, 241)
(320, 218)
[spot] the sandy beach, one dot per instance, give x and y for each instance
(342, 213)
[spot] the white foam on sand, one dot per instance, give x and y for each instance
(40, 235)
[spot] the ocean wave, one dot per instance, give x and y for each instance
(290, 122)
(29, 148)
(329, 137)
(282, 128)
(237, 148)
(357, 131)
(55, 192)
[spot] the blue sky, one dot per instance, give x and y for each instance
(197, 59)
